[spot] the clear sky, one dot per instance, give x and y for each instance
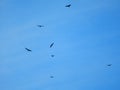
(86, 39)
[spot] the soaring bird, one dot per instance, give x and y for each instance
(69, 5)
(52, 55)
(40, 26)
(28, 50)
(51, 44)
(109, 65)
(51, 76)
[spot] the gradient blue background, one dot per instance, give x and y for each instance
(86, 37)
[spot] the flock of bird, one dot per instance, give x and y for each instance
(51, 45)
(68, 5)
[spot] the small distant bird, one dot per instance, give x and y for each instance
(40, 26)
(51, 44)
(51, 76)
(28, 50)
(52, 55)
(69, 5)
(109, 65)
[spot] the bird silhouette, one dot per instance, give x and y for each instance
(51, 44)
(69, 5)
(109, 65)
(52, 55)
(28, 50)
(51, 76)
(40, 26)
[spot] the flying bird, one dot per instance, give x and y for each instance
(28, 50)
(109, 65)
(69, 5)
(51, 45)
(51, 76)
(52, 55)
(40, 26)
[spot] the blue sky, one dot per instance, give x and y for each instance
(86, 37)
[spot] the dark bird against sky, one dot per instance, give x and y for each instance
(28, 50)
(69, 5)
(52, 55)
(51, 45)
(40, 26)
(51, 76)
(109, 65)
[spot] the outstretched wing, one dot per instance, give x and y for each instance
(109, 65)
(40, 25)
(28, 49)
(68, 5)
(51, 45)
